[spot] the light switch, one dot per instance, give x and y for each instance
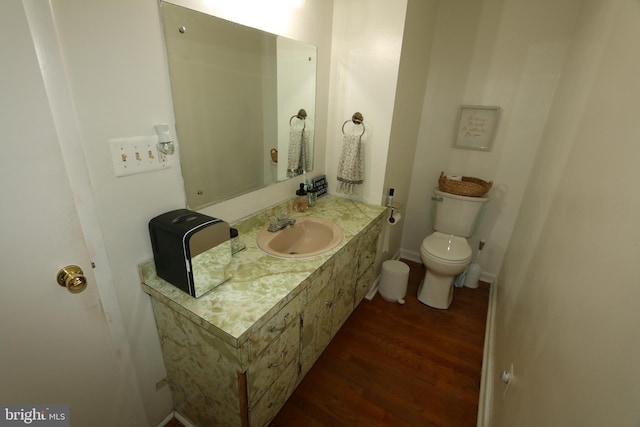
(137, 154)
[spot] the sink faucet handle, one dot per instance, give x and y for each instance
(283, 214)
(273, 221)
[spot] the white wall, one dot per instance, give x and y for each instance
(503, 53)
(367, 40)
(412, 79)
(116, 68)
(567, 308)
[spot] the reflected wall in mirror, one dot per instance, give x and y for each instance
(237, 92)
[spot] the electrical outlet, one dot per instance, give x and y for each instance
(137, 154)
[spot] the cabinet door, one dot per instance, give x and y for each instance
(274, 399)
(363, 284)
(271, 364)
(368, 246)
(316, 327)
(344, 275)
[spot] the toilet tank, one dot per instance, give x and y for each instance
(455, 214)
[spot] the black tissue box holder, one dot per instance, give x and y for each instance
(191, 251)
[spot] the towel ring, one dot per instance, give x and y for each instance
(356, 119)
(302, 115)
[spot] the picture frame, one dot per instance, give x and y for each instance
(477, 126)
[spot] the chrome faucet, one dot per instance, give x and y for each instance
(276, 223)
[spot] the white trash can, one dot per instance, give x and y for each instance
(393, 281)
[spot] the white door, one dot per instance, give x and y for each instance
(55, 346)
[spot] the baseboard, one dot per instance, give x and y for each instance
(178, 417)
(374, 288)
(166, 420)
(487, 277)
(486, 381)
(183, 420)
(410, 255)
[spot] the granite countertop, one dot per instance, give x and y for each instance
(261, 284)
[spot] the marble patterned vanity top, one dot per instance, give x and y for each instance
(260, 284)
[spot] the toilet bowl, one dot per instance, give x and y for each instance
(446, 252)
(445, 256)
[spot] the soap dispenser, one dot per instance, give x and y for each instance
(312, 194)
(301, 202)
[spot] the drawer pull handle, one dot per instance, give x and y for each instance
(284, 325)
(273, 365)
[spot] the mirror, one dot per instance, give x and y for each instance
(237, 93)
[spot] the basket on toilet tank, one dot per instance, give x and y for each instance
(465, 186)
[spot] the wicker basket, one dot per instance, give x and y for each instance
(469, 186)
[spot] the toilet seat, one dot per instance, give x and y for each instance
(447, 248)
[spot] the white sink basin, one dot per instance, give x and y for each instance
(309, 236)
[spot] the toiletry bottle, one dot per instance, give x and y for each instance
(301, 202)
(390, 197)
(312, 195)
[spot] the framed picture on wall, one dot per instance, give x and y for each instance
(477, 126)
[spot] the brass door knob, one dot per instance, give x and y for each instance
(72, 278)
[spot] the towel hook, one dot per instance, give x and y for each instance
(302, 115)
(356, 119)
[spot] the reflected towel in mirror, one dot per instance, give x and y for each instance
(298, 160)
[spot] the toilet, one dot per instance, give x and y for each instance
(446, 253)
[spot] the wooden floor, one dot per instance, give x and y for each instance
(397, 365)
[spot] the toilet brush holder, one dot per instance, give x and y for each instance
(473, 274)
(474, 270)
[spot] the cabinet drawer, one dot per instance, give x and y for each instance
(266, 408)
(274, 327)
(271, 364)
(321, 281)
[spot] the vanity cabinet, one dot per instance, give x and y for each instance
(336, 292)
(218, 379)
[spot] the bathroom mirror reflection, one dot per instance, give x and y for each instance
(237, 93)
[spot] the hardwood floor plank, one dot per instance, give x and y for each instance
(398, 365)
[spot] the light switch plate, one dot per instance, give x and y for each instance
(137, 154)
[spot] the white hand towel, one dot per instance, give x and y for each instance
(351, 166)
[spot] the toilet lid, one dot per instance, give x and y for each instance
(447, 247)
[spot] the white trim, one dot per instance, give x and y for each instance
(374, 288)
(410, 255)
(489, 278)
(45, 38)
(178, 417)
(486, 381)
(183, 420)
(166, 419)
